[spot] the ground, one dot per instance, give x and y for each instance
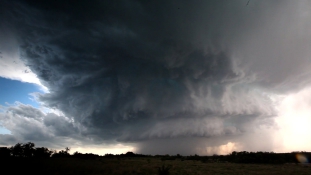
(143, 166)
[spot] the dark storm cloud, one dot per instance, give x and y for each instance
(141, 71)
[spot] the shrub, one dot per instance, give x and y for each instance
(164, 170)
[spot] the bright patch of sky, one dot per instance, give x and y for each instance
(294, 120)
(4, 130)
(12, 91)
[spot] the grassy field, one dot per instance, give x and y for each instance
(143, 166)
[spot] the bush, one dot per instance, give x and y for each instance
(164, 170)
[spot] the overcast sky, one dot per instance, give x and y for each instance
(158, 77)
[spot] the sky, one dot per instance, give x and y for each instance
(14, 90)
(156, 77)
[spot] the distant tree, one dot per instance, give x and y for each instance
(62, 153)
(77, 153)
(23, 150)
(129, 154)
(234, 153)
(28, 149)
(42, 152)
(17, 150)
(84, 156)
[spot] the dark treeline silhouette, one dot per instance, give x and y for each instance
(245, 157)
(128, 154)
(25, 150)
(263, 157)
(28, 150)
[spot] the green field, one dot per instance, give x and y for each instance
(142, 166)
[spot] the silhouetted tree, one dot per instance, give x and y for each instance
(62, 153)
(130, 154)
(42, 152)
(28, 149)
(17, 150)
(84, 156)
(23, 150)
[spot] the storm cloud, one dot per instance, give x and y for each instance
(161, 73)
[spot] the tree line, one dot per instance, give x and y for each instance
(28, 150)
(246, 157)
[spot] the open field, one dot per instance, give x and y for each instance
(143, 166)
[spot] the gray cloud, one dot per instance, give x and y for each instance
(159, 73)
(27, 123)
